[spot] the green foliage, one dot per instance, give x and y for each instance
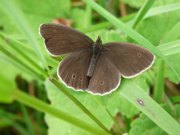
(155, 26)
(150, 128)
(133, 3)
(7, 81)
(139, 128)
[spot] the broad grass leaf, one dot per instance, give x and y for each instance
(117, 103)
(144, 126)
(156, 27)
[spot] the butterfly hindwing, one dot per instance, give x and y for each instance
(105, 78)
(73, 69)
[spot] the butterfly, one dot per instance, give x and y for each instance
(93, 66)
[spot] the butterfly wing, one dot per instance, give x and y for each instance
(73, 69)
(60, 39)
(130, 59)
(105, 78)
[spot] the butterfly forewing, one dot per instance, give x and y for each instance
(60, 39)
(73, 69)
(129, 58)
(106, 76)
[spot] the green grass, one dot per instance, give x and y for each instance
(17, 16)
(142, 12)
(81, 112)
(150, 108)
(159, 83)
(41, 106)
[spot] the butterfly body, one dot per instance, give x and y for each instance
(96, 49)
(90, 65)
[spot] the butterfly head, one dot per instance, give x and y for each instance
(98, 41)
(98, 47)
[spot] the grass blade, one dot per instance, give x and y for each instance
(162, 9)
(88, 16)
(23, 65)
(27, 120)
(15, 125)
(139, 98)
(159, 84)
(43, 107)
(175, 99)
(24, 55)
(145, 8)
(170, 47)
(105, 24)
(152, 12)
(18, 18)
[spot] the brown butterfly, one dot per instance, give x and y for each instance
(90, 65)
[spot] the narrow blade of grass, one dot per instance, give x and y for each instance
(151, 12)
(18, 18)
(105, 24)
(170, 47)
(17, 60)
(175, 99)
(139, 98)
(19, 66)
(88, 16)
(27, 120)
(159, 84)
(15, 125)
(24, 55)
(162, 9)
(43, 107)
(142, 12)
(26, 48)
(9, 119)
